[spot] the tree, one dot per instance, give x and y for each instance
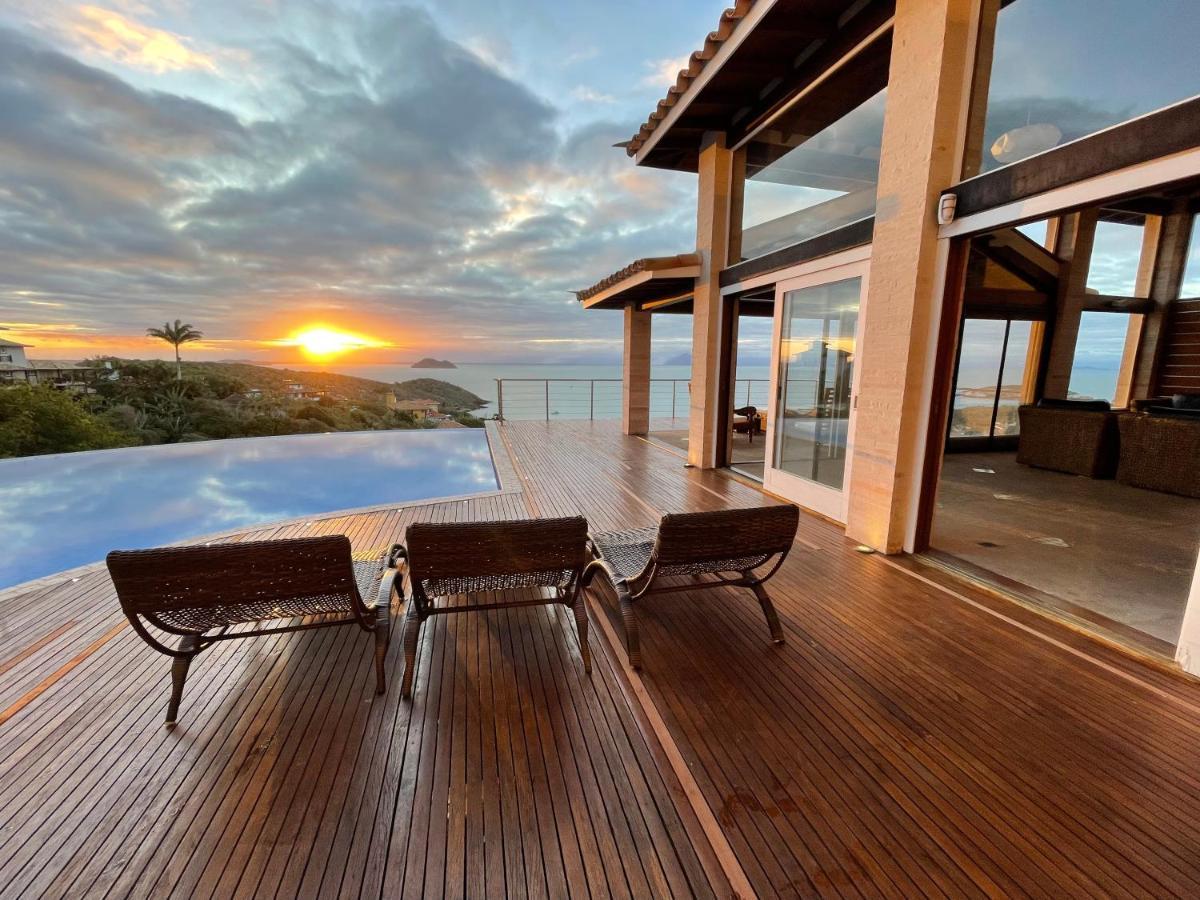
(176, 335)
(42, 420)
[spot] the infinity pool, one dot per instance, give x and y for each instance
(61, 511)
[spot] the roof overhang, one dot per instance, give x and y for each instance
(762, 53)
(651, 284)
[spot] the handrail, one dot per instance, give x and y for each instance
(535, 398)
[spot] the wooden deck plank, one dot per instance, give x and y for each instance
(916, 735)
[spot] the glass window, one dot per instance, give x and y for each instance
(803, 179)
(816, 362)
(978, 372)
(1012, 381)
(1035, 231)
(1116, 253)
(1098, 353)
(1191, 269)
(1063, 69)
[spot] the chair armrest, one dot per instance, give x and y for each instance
(602, 565)
(397, 553)
(383, 597)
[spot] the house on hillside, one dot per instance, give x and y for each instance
(418, 409)
(977, 285)
(297, 391)
(16, 368)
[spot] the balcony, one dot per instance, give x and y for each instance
(915, 736)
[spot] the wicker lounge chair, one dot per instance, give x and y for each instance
(1077, 438)
(747, 422)
(206, 594)
(470, 558)
(737, 547)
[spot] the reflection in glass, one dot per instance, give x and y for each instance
(991, 374)
(800, 184)
(816, 360)
(75, 507)
(1063, 69)
(1016, 353)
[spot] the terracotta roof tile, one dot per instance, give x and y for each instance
(696, 63)
(638, 265)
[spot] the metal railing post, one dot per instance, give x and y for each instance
(673, 383)
(547, 399)
(747, 391)
(592, 401)
(500, 398)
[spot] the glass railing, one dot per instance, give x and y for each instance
(527, 399)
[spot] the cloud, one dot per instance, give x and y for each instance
(662, 73)
(130, 42)
(396, 184)
(588, 95)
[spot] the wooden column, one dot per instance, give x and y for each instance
(1137, 323)
(922, 130)
(635, 378)
(712, 246)
(1037, 333)
(1166, 280)
(1073, 245)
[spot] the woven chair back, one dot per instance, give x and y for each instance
(456, 558)
(729, 539)
(197, 588)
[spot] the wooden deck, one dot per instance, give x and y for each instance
(914, 736)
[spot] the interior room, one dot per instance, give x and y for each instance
(1071, 467)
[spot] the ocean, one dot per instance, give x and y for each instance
(572, 394)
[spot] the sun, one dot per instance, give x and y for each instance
(321, 342)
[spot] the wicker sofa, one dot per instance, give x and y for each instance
(1160, 451)
(1067, 436)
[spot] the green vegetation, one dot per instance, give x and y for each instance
(36, 420)
(134, 403)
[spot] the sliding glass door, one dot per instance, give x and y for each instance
(811, 433)
(990, 382)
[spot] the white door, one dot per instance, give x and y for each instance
(814, 386)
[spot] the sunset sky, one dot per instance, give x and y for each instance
(433, 176)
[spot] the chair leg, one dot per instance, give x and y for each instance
(412, 634)
(581, 628)
(179, 674)
(768, 609)
(633, 644)
(383, 639)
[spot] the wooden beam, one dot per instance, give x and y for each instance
(1159, 134)
(1005, 303)
(1151, 230)
(1114, 304)
(1074, 240)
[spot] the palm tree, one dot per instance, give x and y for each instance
(179, 333)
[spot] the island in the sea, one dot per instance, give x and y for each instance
(430, 363)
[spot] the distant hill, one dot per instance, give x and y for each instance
(451, 397)
(430, 363)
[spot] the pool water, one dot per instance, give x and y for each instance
(62, 511)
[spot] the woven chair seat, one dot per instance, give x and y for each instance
(627, 551)
(367, 576)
